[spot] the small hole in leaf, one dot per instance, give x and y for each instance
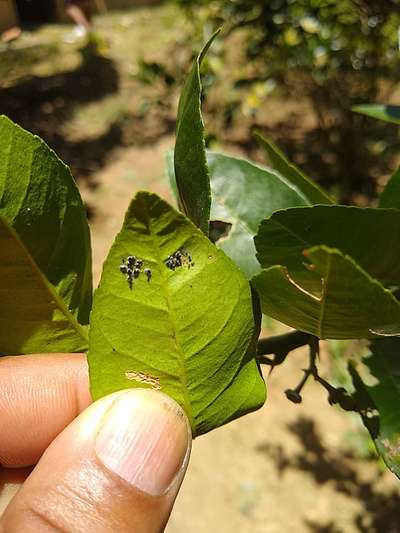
(219, 229)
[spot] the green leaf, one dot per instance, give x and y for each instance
(338, 300)
(370, 236)
(33, 317)
(261, 191)
(379, 402)
(190, 332)
(390, 196)
(40, 200)
(388, 113)
(244, 193)
(292, 173)
(192, 176)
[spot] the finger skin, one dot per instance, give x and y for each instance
(39, 396)
(71, 490)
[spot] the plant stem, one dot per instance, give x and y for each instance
(280, 346)
(294, 395)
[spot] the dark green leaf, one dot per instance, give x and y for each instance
(370, 236)
(190, 332)
(388, 113)
(192, 176)
(338, 300)
(390, 196)
(292, 173)
(379, 402)
(33, 317)
(40, 200)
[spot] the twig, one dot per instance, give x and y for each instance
(294, 395)
(280, 346)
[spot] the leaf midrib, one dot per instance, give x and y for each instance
(179, 352)
(325, 281)
(45, 283)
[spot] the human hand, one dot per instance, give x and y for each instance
(117, 467)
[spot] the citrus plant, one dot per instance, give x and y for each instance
(324, 54)
(181, 295)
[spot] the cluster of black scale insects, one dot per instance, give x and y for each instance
(133, 268)
(178, 259)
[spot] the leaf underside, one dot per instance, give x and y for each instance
(33, 318)
(370, 236)
(189, 332)
(387, 113)
(40, 200)
(243, 194)
(338, 299)
(379, 402)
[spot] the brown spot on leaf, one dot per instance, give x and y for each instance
(142, 377)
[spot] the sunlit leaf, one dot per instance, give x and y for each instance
(388, 113)
(190, 332)
(192, 176)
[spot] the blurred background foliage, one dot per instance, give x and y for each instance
(324, 54)
(292, 69)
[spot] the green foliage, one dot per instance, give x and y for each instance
(283, 237)
(192, 330)
(335, 54)
(336, 292)
(390, 196)
(378, 401)
(336, 299)
(33, 317)
(388, 113)
(189, 332)
(261, 190)
(326, 39)
(192, 179)
(40, 199)
(41, 203)
(279, 162)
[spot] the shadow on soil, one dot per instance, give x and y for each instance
(43, 104)
(380, 509)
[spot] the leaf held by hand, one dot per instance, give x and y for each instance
(188, 331)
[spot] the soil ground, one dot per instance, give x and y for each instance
(284, 468)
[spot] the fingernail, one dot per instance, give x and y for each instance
(145, 439)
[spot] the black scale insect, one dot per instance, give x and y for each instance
(132, 268)
(178, 259)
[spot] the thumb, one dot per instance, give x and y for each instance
(117, 467)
